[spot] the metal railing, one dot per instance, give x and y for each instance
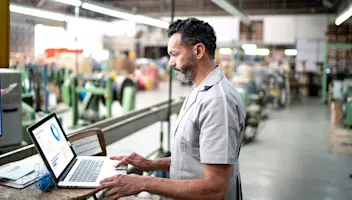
(114, 129)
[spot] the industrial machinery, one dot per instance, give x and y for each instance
(253, 113)
(343, 91)
(92, 91)
(276, 82)
(11, 118)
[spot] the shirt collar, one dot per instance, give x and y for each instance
(214, 77)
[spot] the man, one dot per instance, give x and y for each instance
(209, 129)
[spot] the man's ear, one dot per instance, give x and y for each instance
(199, 51)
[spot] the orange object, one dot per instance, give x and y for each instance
(54, 52)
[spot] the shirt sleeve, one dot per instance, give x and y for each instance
(219, 132)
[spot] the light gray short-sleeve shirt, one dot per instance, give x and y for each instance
(209, 130)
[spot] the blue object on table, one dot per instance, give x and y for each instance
(45, 182)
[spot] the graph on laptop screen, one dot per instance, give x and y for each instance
(54, 145)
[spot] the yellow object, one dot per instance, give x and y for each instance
(4, 33)
(276, 93)
(113, 75)
(132, 55)
(217, 55)
(148, 84)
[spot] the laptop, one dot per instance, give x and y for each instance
(68, 169)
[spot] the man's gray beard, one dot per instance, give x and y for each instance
(186, 76)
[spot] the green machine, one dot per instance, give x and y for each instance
(347, 107)
(92, 91)
(253, 113)
(326, 67)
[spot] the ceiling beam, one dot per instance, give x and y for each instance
(249, 12)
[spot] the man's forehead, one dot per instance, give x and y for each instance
(175, 40)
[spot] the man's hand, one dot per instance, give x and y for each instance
(122, 185)
(135, 160)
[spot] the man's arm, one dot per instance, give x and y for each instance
(161, 164)
(213, 186)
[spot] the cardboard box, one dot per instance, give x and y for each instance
(340, 140)
(331, 38)
(336, 114)
(342, 39)
(68, 61)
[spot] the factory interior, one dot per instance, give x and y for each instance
(100, 70)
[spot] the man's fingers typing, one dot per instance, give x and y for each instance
(117, 157)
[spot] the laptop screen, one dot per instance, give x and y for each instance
(54, 145)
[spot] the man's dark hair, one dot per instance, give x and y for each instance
(195, 31)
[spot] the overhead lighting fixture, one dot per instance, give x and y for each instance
(151, 21)
(107, 11)
(37, 13)
(125, 15)
(263, 52)
(290, 52)
(76, 3)
(249, 46)
(225, 51)
(344, 16)
(257, 52)
(228, 7)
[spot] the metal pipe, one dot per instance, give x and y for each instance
(170, 85)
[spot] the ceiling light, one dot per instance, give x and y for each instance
(249, 46)
(344, 16)
(125, 15)
(290, 52)
(225, 51)
(228, 7)
(151, 21)
(263, 52)
(257, 52)
(107, 11)
(76, 3)
(37, 13)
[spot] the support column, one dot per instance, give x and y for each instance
(4, 33)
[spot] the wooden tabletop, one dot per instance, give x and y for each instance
(33, 193)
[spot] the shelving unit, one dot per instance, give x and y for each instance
(326, 63)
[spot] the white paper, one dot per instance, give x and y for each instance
(15, 172)
(87, 146)
(33, 164)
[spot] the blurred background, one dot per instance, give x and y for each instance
(104, 63)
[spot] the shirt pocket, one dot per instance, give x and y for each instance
(189, 143)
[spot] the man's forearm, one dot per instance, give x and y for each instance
(161, 164)
(195, 189)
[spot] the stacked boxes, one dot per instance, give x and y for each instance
(339, 60)
(251, 32)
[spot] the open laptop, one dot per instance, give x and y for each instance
(68, 169)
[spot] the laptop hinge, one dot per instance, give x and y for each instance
(68, 169)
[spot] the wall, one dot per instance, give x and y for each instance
(21, 38)
(50, 37)
(286, 29)
(226, 28)
(278, 29)
(91, 34)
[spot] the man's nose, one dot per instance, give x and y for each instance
(171, 63)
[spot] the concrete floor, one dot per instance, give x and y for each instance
(289, 160)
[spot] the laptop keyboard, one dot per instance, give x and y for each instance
(87, 171)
